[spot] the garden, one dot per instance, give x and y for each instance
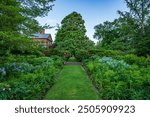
(117, 67)
(120, 77)
(28, 77)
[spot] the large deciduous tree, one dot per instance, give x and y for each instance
(71, 35)
(129, 32)
(118, 35)
(140, 9)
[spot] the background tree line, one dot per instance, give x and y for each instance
(130, 32)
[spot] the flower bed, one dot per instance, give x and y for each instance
(115, 79)
(30, 79)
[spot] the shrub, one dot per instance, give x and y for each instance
(58, 61)
(18, 45)
(81, 55)
(66, 55)
(133, 59)
(29, 81)
(103, 52)
(116, 79)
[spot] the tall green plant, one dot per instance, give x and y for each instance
(71, 36)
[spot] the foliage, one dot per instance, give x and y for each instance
(140, 10)
(130, 32)
(114, 63)
(119, 55)
(17, 22)
(10, 15)
(19, 15)
(143, 47)
(72, 59)
(66, 55)
(12, 43)
(29, 80)
(81, 55)
(36, 8)
(71, 35)
(116, 79)
(116, 35)
(133, 59)
(102, 52)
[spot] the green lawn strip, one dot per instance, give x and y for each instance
(73, 84)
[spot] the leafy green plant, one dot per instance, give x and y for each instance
(115, 79)
(81, 55)
(133, 59)
(29, 81)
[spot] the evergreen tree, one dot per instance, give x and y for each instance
(10, 16)
(31, 10)
(19, 15)
(71, 36)
(18, 20)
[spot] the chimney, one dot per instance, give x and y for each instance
(42, 31)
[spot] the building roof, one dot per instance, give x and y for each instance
(40, 36)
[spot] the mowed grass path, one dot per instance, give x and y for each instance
(72, 84)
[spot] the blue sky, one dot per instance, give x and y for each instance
(92, 11)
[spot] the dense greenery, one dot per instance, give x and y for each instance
(19, 15)
(24, 71)
(122, 74)
(15, 44)
(71, 35)
(29, 79)
(119, 65)
(130, 32)
(115, 79)
(17, 22)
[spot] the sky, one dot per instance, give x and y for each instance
(93, 12)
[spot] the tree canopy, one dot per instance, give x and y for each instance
(130, 32)
(71, 35)
(19, 15)
(18, 21)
